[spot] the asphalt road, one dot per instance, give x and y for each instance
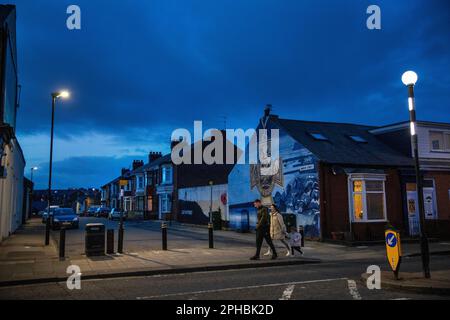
(336, 281)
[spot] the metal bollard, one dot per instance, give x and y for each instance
(302, 232)
(47, 231)
(110, 241)
(62, 243)
(210, 235)
(120, 240)
(164, 235)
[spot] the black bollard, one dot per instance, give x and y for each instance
(62, 243)
(302, 233)
(110, 241)
(164, 235)
(120, 242)
(210, 235)
(47, 231)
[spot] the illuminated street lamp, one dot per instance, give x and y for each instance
(32, 169)
(55, 95)
(409, 79)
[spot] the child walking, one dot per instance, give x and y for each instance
(295, 241)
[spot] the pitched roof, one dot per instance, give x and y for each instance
(340, 148)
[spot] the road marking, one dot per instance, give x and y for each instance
(287, 293)
(353, 290)
(401, 299)
(238, 288)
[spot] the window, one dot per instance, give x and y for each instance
(140, 182)
(165, 202)
(358, 139)
(166, 175)
(440, 141)
(11, 86)
(368, 199)
(318, 136)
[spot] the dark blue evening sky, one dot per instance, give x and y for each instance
(139, 69)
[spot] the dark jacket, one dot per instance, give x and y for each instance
(263, 218)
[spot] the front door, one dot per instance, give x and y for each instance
(429, 200)
(429, 203)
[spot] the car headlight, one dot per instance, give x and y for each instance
(56, 219)
(75, 219)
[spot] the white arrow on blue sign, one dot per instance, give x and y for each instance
(391, 240)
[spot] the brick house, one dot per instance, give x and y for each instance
(341, 181)
(202, 188)
(434, 156)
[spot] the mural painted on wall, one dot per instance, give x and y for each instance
(195, 202)
(297, 192)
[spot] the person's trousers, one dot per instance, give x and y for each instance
(263, 234)
(296, 248)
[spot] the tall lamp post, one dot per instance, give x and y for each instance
(210, 201)
(409, 79)
(55, 95)
(32, 169)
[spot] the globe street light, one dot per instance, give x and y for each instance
(55, 95)
(32, 169)
(409, 79)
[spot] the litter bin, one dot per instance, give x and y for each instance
(217, 220)
(95, 239)
(290, 220)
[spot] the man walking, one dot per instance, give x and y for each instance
(262, 230)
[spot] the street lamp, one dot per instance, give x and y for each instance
(32, 169)
(55, 95)
(409, 79)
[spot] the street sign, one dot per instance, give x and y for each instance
(123, 182)
(393, 250)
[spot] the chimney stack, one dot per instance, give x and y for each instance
(267, 110)
(137, 164)
(152, 156)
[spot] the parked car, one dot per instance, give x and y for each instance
(45, 213)
(103, 212)
(92, 211)
(115, 214)
(65, 217)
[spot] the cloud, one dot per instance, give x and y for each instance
(141, 69)
(83, 171)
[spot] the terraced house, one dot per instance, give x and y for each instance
(145, 191)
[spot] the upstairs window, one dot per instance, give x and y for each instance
(440, 141)
(318, 136)
(166, 175)
(140, 182)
